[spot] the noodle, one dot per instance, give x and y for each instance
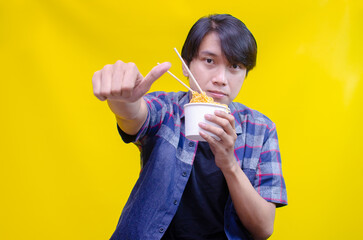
(203, 98)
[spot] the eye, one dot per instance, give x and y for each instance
(236, 66)
(208, 60)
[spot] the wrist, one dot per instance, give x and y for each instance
(125, 110)
(230, 169)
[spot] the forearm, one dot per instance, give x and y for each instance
(255, 213)
(130, 116)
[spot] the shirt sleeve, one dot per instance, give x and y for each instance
(269, 181)
(126, 137)
(158, 104)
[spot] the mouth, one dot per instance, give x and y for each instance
(216, 94)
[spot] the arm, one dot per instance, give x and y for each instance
(130, 116)
(123, 86)
(255, 213)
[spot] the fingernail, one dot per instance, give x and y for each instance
(202, 134)
(208, 116)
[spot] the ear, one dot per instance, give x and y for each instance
(185, 72)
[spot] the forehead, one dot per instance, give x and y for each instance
(210, 45)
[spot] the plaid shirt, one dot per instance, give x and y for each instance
(166, 163)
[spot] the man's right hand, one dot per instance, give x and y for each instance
(123, 82)
(123, 86)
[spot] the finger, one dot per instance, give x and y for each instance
(230, 118)
(219, 132)
(131, 76)
(96, 83)
(106, 78)
(153, 75)
(211, 140)
(222, 122)
(117, 77)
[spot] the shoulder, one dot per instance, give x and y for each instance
(166, 103)
(251, 116)
(170, 97)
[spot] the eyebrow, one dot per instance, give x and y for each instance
(208, 53)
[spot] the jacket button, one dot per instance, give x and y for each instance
(161, 229)
(191, 144)
(184, 174)
(175, 202)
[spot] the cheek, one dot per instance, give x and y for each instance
(201, 76)
(200, 81)
(235, 87)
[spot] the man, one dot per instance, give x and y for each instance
(218, 189)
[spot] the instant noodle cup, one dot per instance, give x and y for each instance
(194, 114)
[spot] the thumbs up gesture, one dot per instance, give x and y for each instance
(123, 82)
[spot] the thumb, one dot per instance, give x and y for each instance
(154, 74)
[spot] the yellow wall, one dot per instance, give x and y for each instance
(64, 172)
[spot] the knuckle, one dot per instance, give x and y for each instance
(104, 93)
(220, 131)
(127, 89)
(131, 64)
(152, 75)
(107, 67)
(119, 62)
(234, 137)
(225, 123)
(119, 65)
(95, 76)
(115, 91)
(127, 86)
(101, 98)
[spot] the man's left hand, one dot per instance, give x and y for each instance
(222, 149)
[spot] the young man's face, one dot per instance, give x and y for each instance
(217, 77)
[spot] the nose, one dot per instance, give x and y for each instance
(220, 78)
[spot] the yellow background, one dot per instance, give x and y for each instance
(64, 172)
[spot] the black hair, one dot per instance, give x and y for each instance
(237, 42)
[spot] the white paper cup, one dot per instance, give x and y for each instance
(194, 114)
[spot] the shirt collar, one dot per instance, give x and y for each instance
(238, 118)
(184, 99)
